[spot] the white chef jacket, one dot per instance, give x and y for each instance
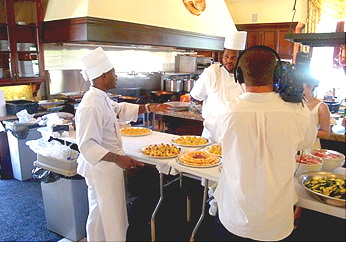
(260, 134)
(214, 85)
(97, 133)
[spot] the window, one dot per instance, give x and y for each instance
(332, 80)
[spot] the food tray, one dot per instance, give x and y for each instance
(302, 167)
(67, 168)
(51, 103)
(200, 145)
(184, 164)
(330, 163)
(207, 149)
(323, 198)
(179, 106)
(140, 151)
(137, 135)
(13, 107)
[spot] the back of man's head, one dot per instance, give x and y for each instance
(257, 65)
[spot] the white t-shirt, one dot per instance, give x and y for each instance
(260, 135)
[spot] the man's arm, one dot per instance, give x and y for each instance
(122, 161)
(199, 91)
(155, 108)
(89, 132)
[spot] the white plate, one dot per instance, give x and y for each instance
(184, 164)
(177, 104)
(209, 146)
(136, 135)
(202, 145)
(140, 151)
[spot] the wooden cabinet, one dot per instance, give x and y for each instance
(272, 35)
(21, 47)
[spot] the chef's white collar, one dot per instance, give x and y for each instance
(98, 91)
(226, 72)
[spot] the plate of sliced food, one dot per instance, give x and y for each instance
(162, 150)
(191, 141)
(198, 159)
(328, 187)
(135, 131)
(331, 159)
(214, 149)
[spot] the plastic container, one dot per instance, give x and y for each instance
(66, 207)
(12, 107)
(67, 168)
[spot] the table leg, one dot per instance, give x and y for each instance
(154, 121)
(161, 124)
(203, 209)
(188, 201)
(153, 230)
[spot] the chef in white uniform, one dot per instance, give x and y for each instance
(217, 83)
(102, 160)
(260, 134)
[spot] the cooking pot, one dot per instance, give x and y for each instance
(161, 96)
(188, 85)
(333, 106)
(174, 85)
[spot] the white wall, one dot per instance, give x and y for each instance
(124, 60)
(215, 20)
(268, 10)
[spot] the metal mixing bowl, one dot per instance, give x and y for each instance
(326, 199)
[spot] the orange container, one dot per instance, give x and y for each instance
(185, 98)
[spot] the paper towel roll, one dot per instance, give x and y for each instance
(2, 103)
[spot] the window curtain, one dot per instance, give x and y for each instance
(336, 9)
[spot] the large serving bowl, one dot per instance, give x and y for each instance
(331, 159)
(308, 163)
(307, 177)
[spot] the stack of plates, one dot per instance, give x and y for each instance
(4, 45)
(26, 46)
(26, 69)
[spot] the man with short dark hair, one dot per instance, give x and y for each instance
(217, 83)
(260, 134)
(102, 159)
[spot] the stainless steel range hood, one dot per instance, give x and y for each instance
(141, 22)
(318, 39)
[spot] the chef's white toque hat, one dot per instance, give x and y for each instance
(94, 64)
(235, 40)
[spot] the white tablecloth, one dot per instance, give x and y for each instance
(133, 144)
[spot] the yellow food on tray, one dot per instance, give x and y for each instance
(215, 149)
(198, 158)
(134, 131)
(161, 150)
(190, 140)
